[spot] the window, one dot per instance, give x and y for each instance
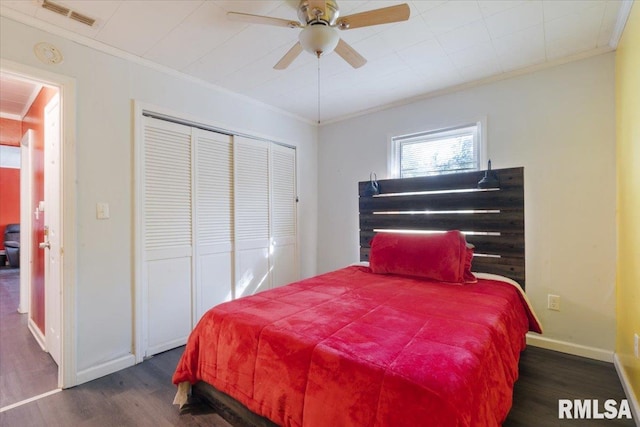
(449, 150)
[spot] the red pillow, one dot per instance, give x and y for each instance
(468, 275)
(443, 257)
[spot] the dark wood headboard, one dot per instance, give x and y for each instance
(492, 219)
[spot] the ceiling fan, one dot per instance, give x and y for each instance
(318, 20)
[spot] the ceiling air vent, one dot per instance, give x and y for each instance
(82, 18)
(65, 11)
(54, 7)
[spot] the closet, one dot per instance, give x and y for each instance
(217, 221)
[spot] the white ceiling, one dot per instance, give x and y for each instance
(444, 44)
(16, 96)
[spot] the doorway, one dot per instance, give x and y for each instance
(41, 297)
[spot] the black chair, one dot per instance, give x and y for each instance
(12, 244)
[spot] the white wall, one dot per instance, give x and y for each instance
(105, 88)
(559, 124)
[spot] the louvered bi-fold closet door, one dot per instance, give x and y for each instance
(251, 180)
(283, 252)
(213, 219)
(167, 234)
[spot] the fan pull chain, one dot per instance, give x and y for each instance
(318, 88)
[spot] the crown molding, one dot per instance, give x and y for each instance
(621, 22)
(9, 116)
(110, 50)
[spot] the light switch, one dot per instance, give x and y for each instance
(102, 210)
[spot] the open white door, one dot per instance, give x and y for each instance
(26, 208)
(52, 243)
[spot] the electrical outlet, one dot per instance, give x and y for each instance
(636, 339)
(553, 302)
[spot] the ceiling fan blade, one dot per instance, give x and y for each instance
(385, 15)
(349, 54)
(288, 57)
(265, 20)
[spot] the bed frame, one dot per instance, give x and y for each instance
(492, 219)
(234, 412)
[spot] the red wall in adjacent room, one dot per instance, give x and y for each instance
(9, 198)
(10, 134)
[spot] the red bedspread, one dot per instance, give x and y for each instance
(353, 348)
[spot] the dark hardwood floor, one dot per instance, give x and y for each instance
(546, 376)
(142, 395)
(139, 396)
(25, 370)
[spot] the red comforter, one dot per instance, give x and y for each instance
(353, 348)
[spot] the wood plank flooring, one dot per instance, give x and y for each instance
(546, 376)
(142, 395)
(139, 396)
(25, 370)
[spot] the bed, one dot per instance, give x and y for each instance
(409, 337)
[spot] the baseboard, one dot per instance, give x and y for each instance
(570, 348)
(628, 391)
(37, 334)
(106, 368)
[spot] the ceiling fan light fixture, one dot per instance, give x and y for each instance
(318, 39)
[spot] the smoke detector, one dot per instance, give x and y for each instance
(48, 53)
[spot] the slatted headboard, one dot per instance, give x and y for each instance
(492, 219)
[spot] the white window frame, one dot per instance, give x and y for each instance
(396, 141)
